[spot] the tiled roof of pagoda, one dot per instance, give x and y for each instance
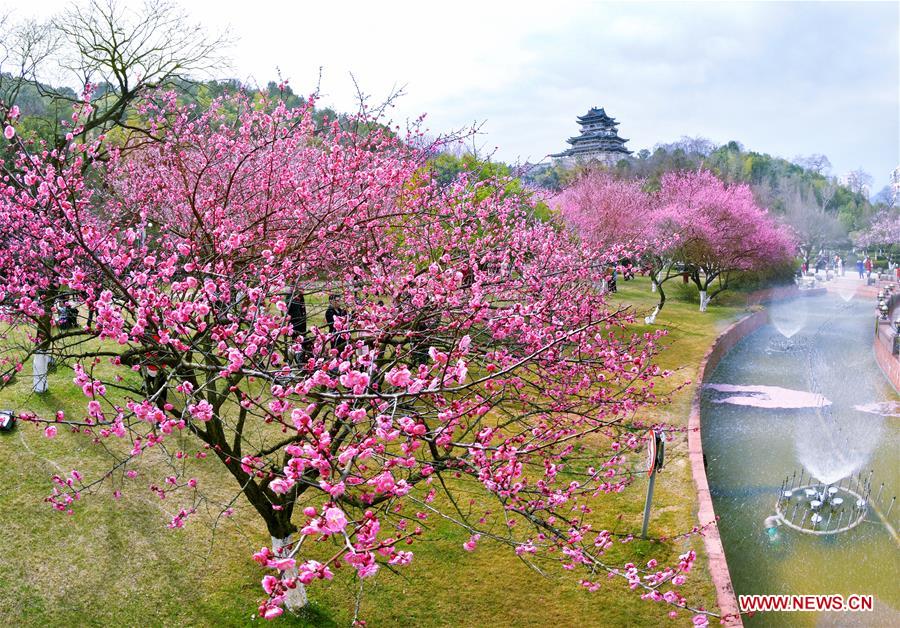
(596, 114)
(587, 138)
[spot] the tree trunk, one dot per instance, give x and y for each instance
(704, 300)
(650, 320)
(295, 598)
(40, 362)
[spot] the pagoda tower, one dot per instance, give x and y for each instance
(599, 140)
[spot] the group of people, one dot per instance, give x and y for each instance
(296, 311)
(66, 316)
(612, 274)
(864, 267)
(823, 264)
(420, 329)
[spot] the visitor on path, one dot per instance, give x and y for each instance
(860, 268)
(296, 310)
(868, 266)
(334, 311)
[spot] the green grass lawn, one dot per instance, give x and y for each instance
(114, 562)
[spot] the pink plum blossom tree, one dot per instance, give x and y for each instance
(883, 231)
(694, 225)
(616, 216)
(355, 346)
(611, 214)
(721, 230)
(608, 212)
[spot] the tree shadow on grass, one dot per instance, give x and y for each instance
(312, 615)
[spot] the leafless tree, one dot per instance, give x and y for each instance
(886, 197)
(24, 47)
(816, 228)
(690, 145)
(859, 181)
(122, 51)
(818, 163)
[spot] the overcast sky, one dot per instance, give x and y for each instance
(782, 78)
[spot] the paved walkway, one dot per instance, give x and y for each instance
(884, 332)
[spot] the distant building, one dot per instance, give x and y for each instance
(894, 184)
(599, 141)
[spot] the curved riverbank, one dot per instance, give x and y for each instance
(715, 552)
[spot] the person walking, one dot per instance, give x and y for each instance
(860, 268)
(332, 312)
(296, 311)
(868, 266)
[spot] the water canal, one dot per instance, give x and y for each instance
(803, 394)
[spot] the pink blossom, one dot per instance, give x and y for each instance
(365, 571)
(312, 569)
(269, 583)
(399, 376)
(383, 482)
(282, 564)
(202, 411)
(280, 486)
(355, 380)
(272, 612)
(401, 558)
(262, 556)
(335, 521)
(50, 431)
